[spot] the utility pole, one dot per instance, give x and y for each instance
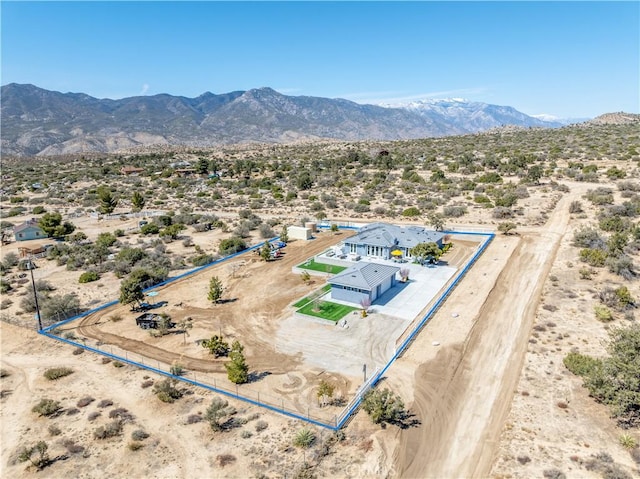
(32, 266)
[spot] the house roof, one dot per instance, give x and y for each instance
(384, 234)
(32, 223)
(364, 275)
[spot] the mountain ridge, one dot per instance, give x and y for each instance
(39, 122)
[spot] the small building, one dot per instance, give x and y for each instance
(131, 170)
(387, 241)
(185, 172)
(299, 232)
(363, 281)
(29, 230)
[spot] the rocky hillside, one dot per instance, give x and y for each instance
(42, 122)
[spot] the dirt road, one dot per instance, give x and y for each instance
(462, 395)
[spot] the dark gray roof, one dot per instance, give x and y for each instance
(384, 234)
(364, 275)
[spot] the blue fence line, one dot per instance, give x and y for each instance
(189, 381)
(165, 282)
(346, 416)
(437, 304)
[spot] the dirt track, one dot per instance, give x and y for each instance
(463, 395)
(257, 303)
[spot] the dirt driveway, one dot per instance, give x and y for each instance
(462, 392)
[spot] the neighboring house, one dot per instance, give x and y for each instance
(386, 241)
(131, 170)
(29, 230)
(363, 280)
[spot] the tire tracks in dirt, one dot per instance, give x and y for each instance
(463, 396)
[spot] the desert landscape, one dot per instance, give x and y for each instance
(486, 386)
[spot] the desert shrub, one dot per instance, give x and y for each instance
(194, 418)
(112, 429)
(72, 447)
(588, 237)
(88, 277)
(600, 196)
(622, 266)
(593, 257)
(54, 430)
(135, 446)
(411, 212)
(628, 441)
(72, 411)
(454, 211)
(105, 403)
(580, 364)
(232, 245)
(77, 351)
(523, 459)
(603, 313)
(304, 438)
(122, 414)
(383, 406)
(85, 401)
(36, 455)
(554, 474)
(225, 459)
(93, 416)
(246, 434)
(57, 373)
(635, 455)
(166, 391)
(261, 426)
(147, 383)
(139, 435)
(47, 407)
(501, 212)
(575, 207)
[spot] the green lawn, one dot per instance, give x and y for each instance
(313, 265)
(328, 310)
(306, 299)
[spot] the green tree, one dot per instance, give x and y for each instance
(436, 220)
(325, 392)
(506, 227)
(185, 325)
(106, 240)
(426, 252)
(615, 379)
(284, 234)
(216, 290)
(108, 201)
(334, 228)
(237, 368)
(172, 231)
(137, 201)
(202, 166)
(265, 251)
(216, 346)
(232, 245)
(217, 410)
(131, 291)
(37, 455)
(52, 225)
(383, 406)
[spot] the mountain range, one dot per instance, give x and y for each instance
(37, 122)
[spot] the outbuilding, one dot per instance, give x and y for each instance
(29, 230)
(363, 281)
(299, 232)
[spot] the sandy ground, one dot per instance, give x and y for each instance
(462, 395)
(484, 395)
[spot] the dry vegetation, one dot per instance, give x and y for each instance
(90, 413)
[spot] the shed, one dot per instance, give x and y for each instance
(299, 232)
(364, 280)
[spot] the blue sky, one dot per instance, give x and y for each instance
(573, 59)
